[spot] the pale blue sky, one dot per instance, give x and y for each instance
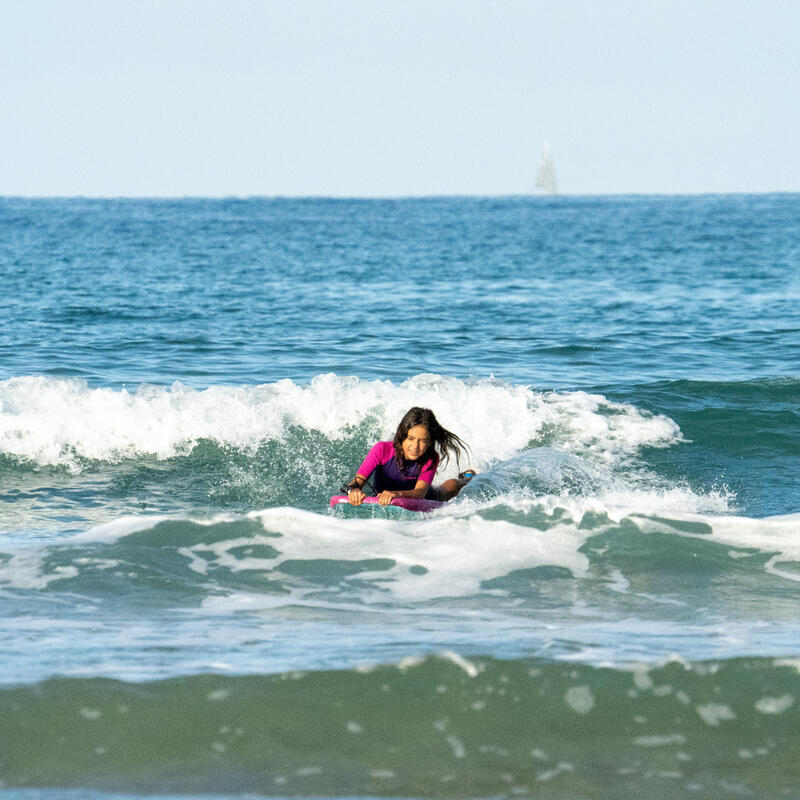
(397, 97)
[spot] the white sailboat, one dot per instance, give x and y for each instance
(546, 173)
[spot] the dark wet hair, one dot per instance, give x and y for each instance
(443, 441)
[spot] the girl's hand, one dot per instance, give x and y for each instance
(385, 498)
(355, 497)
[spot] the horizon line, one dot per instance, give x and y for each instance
(430, 196)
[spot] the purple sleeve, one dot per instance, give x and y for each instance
(380, 453)
(428, 470)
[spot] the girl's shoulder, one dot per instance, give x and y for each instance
(383, 449)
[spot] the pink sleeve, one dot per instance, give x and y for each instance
(380, 453)
(428, 470)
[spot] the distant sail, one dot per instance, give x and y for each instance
(546, 173)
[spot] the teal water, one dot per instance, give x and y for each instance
(609, 609)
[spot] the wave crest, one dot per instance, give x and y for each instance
(64, 422)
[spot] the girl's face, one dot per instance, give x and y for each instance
(416, 443)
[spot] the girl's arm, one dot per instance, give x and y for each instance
(355, 495)
(419, 490)
(355, 491)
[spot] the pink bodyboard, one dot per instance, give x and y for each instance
(408, 503)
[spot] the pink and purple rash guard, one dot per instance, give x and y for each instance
(389, 475)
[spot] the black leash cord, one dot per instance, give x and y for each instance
(347, 489)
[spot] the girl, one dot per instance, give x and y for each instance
(405, 466)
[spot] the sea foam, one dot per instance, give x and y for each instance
(65, 422)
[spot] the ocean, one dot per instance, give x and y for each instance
(610, 609)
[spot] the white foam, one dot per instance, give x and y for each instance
(59, 421)
(617, 502)
(778, 535)
(715, 713)
(774, 705)
(580, 699)
(457, 553)
(666, 740)
(458, 550)
(471, 669)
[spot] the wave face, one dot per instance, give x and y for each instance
(237, 448)
(435, 727)
(609, 609)
(689, 446)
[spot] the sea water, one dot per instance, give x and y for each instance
(610, 609)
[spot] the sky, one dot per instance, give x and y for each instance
(397, 97)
